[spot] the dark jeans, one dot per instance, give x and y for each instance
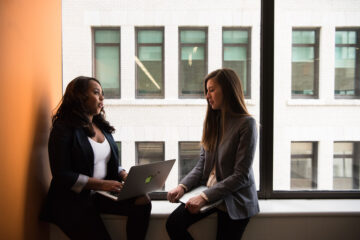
(86, 222)
(179, 221)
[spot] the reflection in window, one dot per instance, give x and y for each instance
(149, 152)
(303, 165)
(236, 54)
(346, 165)
(305, 52)
(119, 148)
(107, 60)
(149, 62)
(189, 154)
(193, 62)
(347, 63)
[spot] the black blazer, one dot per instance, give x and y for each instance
(71, 154)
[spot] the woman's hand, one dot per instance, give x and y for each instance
(175, 194)
(104, 185)
(123, 175)
(111, 186)
(195, 204)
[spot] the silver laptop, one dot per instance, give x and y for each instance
(143, 179)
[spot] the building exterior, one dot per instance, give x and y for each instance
(151, 57)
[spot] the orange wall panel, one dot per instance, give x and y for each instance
(30, 76)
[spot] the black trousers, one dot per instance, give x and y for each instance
(86, 223)
(181, 219)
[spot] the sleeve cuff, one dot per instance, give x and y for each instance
(203, 195)
(80, 183)
(184, 187)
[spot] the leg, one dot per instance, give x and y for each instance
(84, 223)
(179, 221)
(136, 209)
(230, 229)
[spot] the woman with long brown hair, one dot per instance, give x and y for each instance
(225, 165)
(83, 159)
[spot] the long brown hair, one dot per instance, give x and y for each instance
(73, 111)
(233, 105)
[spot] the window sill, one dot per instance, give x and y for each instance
(278, 208)
(321, 102)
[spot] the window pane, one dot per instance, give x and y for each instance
(303, 166)
(107, 36)
(193, 63)
(107, 64)
(346, 166)
(149, 64)
(149, 152)
(150, 36)
(235, 36)
(303, 37)
(303, 70)
(346, 64)
(192, 36)
(189, 154)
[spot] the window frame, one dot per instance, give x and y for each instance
(314, 162)
(357, 62)
(316, 46)
(137, 149)
(206, 60)
(266, 131)
(248, 54)
(179, 144)
(137, 45)
(355, 156)
(94, 45)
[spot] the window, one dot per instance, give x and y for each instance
(149, 152)
(189, 155)
(119, 148)
(149, 61)
(193, 62)
(347, 63)
(106, 63)
(346, 165)
(303, 165)
(305, 64)
(236, 54)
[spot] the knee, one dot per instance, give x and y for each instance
(173, 224)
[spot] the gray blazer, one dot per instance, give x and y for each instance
(234, 174)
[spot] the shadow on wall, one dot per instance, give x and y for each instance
(39, 176)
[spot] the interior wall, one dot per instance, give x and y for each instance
(30, 76)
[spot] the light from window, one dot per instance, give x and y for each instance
(149, 152)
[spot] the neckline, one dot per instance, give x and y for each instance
(97, 141)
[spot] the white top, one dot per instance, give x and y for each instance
(102, 154)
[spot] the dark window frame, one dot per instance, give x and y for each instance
(206, 60)
(357, 63)
(316, 46)
(266, 140)
(94, 45)
(248, 54)
(137, 45)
